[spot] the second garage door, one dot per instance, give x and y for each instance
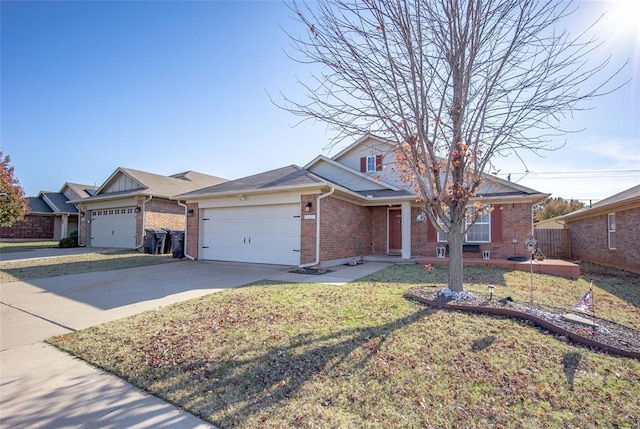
(113, 228)
(261, 234)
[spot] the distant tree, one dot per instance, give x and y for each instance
(552, 207)
(13, 205)
(451, 83)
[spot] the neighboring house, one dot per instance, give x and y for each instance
(552, 223)
(336, 209)
(131, 201)
(51, 214)
(608, 232)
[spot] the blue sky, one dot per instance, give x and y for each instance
(165, 87)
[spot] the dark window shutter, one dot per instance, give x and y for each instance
(378, 162)
(496, 223)
(363, 164)
(432, 234)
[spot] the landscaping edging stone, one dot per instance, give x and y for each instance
(530, 317)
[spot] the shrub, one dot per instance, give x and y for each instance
(70, 241)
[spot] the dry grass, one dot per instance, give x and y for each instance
(30, 269)
(306, 355)
(25, 246)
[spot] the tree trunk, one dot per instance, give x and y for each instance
(455, 259)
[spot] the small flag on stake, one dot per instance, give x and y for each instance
(585, 304)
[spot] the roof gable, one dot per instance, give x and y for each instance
(129, 182)
(346, 176)
(75, 191)
(349, 160)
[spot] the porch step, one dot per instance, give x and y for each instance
(389, 258)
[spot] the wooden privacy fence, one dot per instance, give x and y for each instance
(554, 243)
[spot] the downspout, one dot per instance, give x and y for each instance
(144, 208)
(186, 211)
(80, 226)
(317, 261)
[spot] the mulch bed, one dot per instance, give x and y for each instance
(608, 336)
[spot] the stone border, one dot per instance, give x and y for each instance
(530, 317)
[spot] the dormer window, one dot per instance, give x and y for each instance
(371, 163)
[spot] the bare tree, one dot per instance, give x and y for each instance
(452, 83)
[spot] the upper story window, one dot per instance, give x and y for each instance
(371, 163)
(611, 226)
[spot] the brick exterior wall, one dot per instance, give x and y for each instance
(516, 222)
(590, 241)
(82, 225)
(308, 228)
(35, 227)
(379, 226)
(164, 214)
(192, 237)
(345, 228)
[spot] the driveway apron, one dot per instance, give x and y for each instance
(41, 386)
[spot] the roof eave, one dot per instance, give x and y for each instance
(250, 191)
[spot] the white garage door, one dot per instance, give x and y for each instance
(261, 234)
(113, 228)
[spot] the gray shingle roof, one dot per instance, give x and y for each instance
(289, 176)
(629, 195)
(38, 206)
(385, 193)
(59, 202)
(167, 186)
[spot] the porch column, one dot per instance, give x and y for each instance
(65, 226)
(406, 230)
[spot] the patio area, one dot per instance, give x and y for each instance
(556, 267)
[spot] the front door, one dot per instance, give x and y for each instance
(395, 231)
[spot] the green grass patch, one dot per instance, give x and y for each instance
(361, 355)
(31, 269)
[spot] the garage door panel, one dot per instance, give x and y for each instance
(113, 228)
(261, 234)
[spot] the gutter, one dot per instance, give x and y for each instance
(317, 261)
(186, 209)
(144, 211)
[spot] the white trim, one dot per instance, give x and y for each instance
(406, 230)
(611, 231)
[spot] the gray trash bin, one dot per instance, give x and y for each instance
(155, 241)
(177, 244)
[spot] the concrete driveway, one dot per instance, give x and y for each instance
(42, 387)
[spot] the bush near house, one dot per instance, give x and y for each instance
(70, 241)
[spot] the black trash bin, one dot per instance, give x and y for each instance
(177, 244)
(155, 241)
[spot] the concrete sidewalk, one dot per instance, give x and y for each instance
(43, 387)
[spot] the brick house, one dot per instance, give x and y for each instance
(51, 215)
(336, 209)
(608, 232)
(131, 201)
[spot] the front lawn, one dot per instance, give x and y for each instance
(38, 268)
(12, 246)
(361, 355)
